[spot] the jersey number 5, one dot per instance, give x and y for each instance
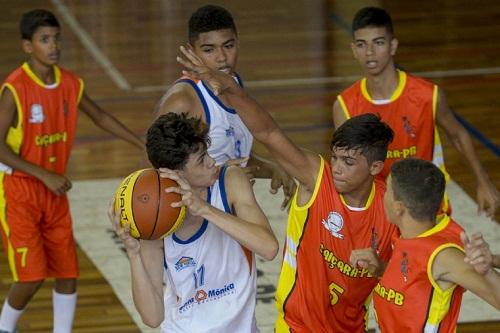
(335, 292)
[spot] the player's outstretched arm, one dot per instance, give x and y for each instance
(146, 268)
(58, 184)
(449, 267)
(298, 163)
(247, 224)
(107, 122)
(488, 197)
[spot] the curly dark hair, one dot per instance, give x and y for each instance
(173, 137)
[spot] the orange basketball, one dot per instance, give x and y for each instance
(143, 202)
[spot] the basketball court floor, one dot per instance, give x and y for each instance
(294, 59)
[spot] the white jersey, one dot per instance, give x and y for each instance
(229, 137)
(212, 278)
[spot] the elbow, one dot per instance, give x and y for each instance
(152, 322)
(272, 250)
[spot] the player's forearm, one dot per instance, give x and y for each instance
(493, 278)
(258, 120)
(463, 143)
(147, 300)
(9, 158)
(255, 237)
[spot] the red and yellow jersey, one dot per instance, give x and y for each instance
(46, 117)
(318, 290)
(410, 112)
(407, 298)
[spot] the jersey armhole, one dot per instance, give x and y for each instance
(319, 180)
(431, 262)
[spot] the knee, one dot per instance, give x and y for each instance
(65, 286)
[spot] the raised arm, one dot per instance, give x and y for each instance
(301, 165)
(487, 196)
(107, 122)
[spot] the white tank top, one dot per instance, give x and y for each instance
(211, 278)
(229, 137)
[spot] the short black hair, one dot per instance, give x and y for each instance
(173, 137)
(372, 17)
(366, 133)
(209, 18)
(420, 186)
(34, 19)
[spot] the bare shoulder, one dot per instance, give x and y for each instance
(235, 176)
(448, 264)
(180, 98)
(236, 183)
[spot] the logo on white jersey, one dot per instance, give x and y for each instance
(184, 262)
(37, 115)
(334, 224)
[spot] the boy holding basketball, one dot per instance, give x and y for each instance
(38, 112)
(209, 260)
(337, 207)
(213, 37)
(410, 105)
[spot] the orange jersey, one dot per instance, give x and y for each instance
(318, 290)
(46, 117)
(410, 112)
(407, 298)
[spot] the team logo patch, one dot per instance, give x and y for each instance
(36, 114)
(184, 262)
(404, 267)
(374, 241)
(409, 128)
(334, 224)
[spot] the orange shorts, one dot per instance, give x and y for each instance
(36, 230)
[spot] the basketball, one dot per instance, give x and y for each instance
(143, 202)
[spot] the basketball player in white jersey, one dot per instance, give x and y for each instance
(213, 37)
(209, 260)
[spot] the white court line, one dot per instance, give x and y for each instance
(342, 79)
(91, 46)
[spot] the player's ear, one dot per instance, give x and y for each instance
(394, 46)
(399, 208)
(27, 46)
(353, 49)
(376, 167)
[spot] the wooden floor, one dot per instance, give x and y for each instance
(295, 58)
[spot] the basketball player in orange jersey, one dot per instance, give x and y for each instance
(38, 112)
(422, 286)
(213, 37)
(209, 260)
(337, 207)
(410, 105)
